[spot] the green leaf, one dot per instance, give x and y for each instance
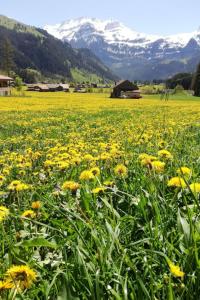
(38, 242)
(184, 227)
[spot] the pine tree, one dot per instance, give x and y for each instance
(7, 63)
(196, 82)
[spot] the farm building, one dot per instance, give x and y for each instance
(30, 87)
(136, 94)
(79, 89)
(125, 89)
(65, 87)
(39, 88)
(54, 88)
(5, 89)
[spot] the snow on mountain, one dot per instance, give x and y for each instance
(114, 32)
(128, 52)
(111, 31)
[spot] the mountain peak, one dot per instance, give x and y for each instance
(129, 53)
(113, 31)
(110, 30)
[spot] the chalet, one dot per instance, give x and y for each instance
(125, 89)
(79, 89)
(54, 88)
(135, 94)
(5, 88)
(64, 86)
(30, 87)
(94, 85)
(41, 88)
(61, 87)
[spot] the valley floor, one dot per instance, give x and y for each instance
(99, 198)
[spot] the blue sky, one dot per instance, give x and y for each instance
(149, 16)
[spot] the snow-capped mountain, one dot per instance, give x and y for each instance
(130, 53)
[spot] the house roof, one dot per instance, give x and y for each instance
(120, 82)
(52, 85)
(64, 85)
(124, 82)
(3, 77)
(41, 86)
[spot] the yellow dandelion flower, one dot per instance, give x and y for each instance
(158, 166)
(86, 175)
(17, 185)
(14, 184)
(184, 171)
(108, 183)
(22, 187)
(105, 156)
(165, 154)
(22, 172)
(20, 277)
(195, 187)
(62, 165)
(5, 285)
(75, 161)
(95, 171)
(147, 157)
(6, 171)
(4, 212)
(98, 190)
(146, 160)
(49, 163)
(28, 214)
(120, 170)
(175, 270)
(70, 185)
(143, 156)
(88, 157)
(2, 179)
(36, 205)
(176, 182)
(161, 144)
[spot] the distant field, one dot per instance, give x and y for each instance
(99, 198)
(182, 96)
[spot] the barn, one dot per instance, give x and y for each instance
(125, 89)
(5, 89)
(64, 86)
(54, 88)
(41, 88)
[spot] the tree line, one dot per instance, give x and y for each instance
(189, 81)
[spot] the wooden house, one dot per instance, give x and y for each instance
(79, 89)
(94, 85)
(136, 94)
(54, 88)
(61, 87)
(64, 86)
(5, 89)
(124, 88)
(30, 87)
(41, 88)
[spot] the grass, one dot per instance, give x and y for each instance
(82, 76)
(122, 234)
(184, 96)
